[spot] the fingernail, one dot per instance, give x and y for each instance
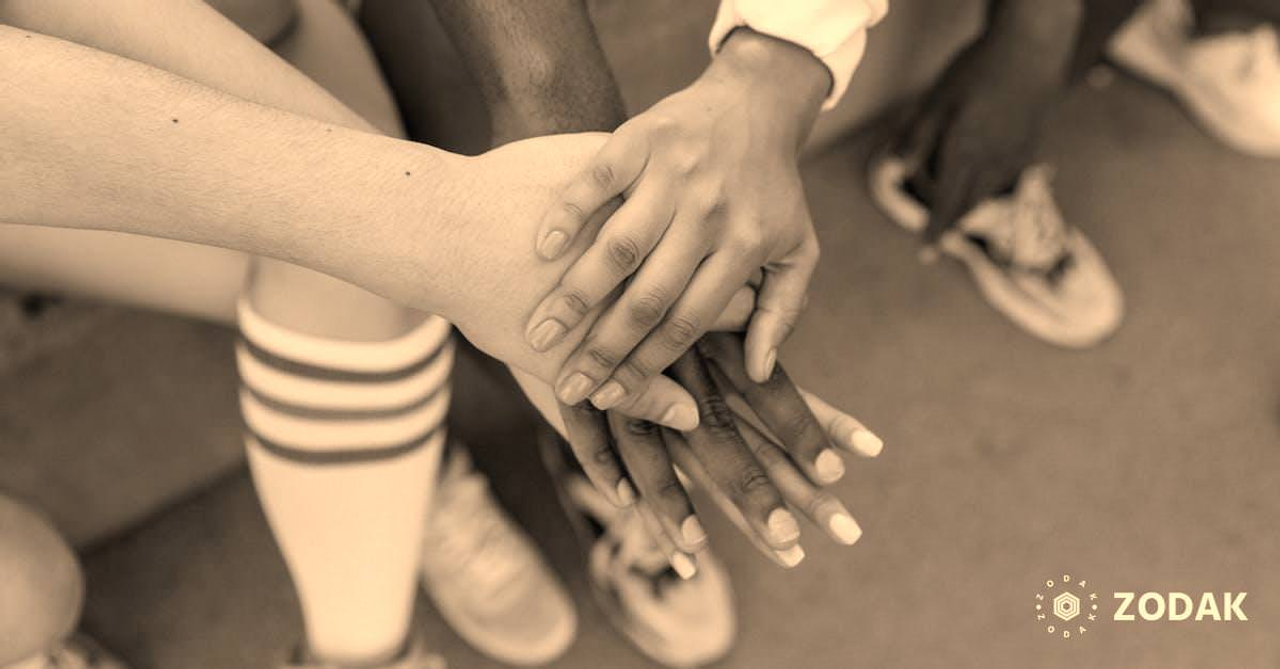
(829, 465)
(575, 388)
(680, 417)
(866, 442)
(546, 335)
(845, 528)
(792, 556)
(552, 245)
(626, 493)
(684, 566)
(608, 396)
(769, 361)
(691, 530)
(783, 526)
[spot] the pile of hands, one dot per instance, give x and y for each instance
(648, 254)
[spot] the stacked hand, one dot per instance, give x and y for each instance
(761, 451)
(712, 197)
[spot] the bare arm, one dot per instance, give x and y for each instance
(261, 180)
(539, 65)
(94, 141)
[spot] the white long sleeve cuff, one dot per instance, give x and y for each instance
(835, 31)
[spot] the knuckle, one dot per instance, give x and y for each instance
(638, 427)
(670, 490)
(576, 301)
(630, 373)
(817, 503)
(603, 458)
(684, 162)
(573, 210)
(603, 175)
(602, 357)
(646, 312)
(799, 423)
(681, 331)
(754, 480)
(747, 242)
(624, 253)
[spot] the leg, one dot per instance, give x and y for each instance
(41, 586)
(353, 612)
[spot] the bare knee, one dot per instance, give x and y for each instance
(41, 585)
(320, 305)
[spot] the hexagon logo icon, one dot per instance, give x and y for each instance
(1066, 606)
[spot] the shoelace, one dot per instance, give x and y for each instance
(472, 536)
(1032, 235)
(623, 529)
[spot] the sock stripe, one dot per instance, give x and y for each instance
(288, 366)
(299, 411)
(347, 455)
(343, 355)
(342, 434)
(296, 390)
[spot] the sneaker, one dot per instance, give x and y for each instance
(1231, 81)
(675, 621)
(486, 576)
(1028, 263)
(77, 652)
(414, 656)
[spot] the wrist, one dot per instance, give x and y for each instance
(774, 74)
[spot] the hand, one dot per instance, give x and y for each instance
(502, 279)
(713, 195)
(977, 129)
(751, 477)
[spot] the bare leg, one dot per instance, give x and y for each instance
(350, 532)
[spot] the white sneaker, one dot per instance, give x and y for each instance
(1231, 82)
(675, 621)
(1042, 274)
(486, 576)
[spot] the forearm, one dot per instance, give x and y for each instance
(539, 65)
(99, 142)
(1051, 27)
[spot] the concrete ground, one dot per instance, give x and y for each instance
(1149, 463)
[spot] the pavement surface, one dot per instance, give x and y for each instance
(1149, 463)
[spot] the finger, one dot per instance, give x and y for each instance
(818, 505)
(664, 402)
(783, 296)
(590, 441)
(620, 247)
(708, 293)
(842, 428)
(611, 171)
(730, 463)
(780, 407)
(627, 321)
(684, 564)
(688, 464)
(639, 442)
(735, 317)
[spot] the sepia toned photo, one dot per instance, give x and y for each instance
(620, 334)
